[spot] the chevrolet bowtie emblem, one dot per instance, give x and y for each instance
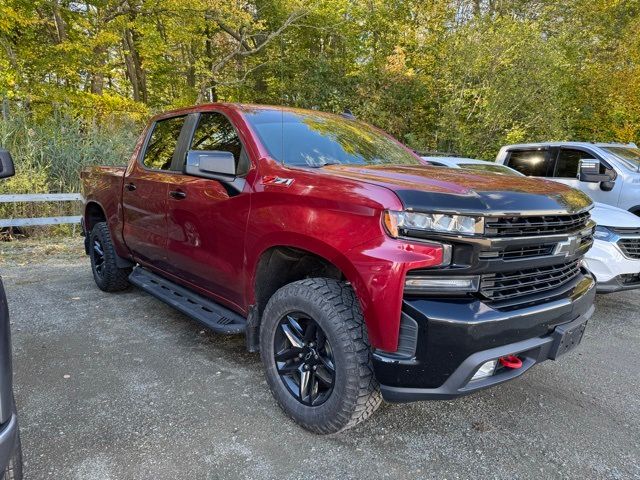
(569, 247)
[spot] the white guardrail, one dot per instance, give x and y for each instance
(39, 197)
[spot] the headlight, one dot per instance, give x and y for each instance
(397, 223)
(417, 284)
(603, 233)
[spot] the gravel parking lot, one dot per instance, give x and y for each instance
(120, 386)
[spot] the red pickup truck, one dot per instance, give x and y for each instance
(357, 271)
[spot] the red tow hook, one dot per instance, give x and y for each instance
(510, 361)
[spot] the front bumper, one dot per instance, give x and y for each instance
(455, 337)
(613, 270)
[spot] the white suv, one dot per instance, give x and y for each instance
(607, 172)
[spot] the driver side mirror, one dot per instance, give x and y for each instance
(214, 164)
(6, 165)
(589, 171)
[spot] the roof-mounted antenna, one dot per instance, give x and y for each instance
(348, 114)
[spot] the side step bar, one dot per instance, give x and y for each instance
(209, 313)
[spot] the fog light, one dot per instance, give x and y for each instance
(486, 370)
(422, 284)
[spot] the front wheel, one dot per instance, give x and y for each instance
(317, 357)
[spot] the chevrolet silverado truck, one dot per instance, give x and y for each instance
(356, 270)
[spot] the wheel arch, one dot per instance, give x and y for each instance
(93, 213)
(309, 257)
(635, 210)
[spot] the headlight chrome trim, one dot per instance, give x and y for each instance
(402, 223)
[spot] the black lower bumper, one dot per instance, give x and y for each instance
(619, 283)
(456, 337)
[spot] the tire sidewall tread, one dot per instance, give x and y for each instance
(113, 279)
(334, 306)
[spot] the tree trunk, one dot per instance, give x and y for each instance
(133, 62)
(97, 76)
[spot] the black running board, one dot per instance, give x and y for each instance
(209, 313)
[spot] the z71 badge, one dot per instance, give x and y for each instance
(273, 180)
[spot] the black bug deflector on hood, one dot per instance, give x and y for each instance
(504, 201)
(435, 189)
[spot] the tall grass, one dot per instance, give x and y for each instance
(49, 154)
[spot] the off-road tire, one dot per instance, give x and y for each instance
(334, 307)
(13, 471)
(111, 278)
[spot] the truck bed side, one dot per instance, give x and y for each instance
(102, 191)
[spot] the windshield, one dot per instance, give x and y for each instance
(315, 139)
(630, 155)
(490, 168)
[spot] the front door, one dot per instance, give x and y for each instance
(144, 195)
(206, 219)
(566, 171)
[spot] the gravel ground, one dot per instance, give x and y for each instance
(120, 386)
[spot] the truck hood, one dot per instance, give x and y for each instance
(430, 188)
(609, 216)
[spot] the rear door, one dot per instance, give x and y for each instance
(206, 219)
(145, 190)
(532, 162)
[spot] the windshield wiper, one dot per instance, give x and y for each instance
(324, 164)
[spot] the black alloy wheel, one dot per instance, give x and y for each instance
(304, 359)
(98, 257)
(108, 276)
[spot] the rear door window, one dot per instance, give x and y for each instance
(162, 143)
(568, 161)
(533, 163)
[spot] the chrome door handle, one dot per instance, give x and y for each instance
(130, 186)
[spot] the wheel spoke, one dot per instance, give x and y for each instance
(323, 376)
(287, 354)
(292, 336)
(304, 385)
(295, 325)
(98, 248)
(313, 388)
(289, 368)
(310, 332)
(321, 339)
(327, 363)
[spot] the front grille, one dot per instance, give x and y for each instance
(516, 253)
(504, 286)
(535, 225)
(630, 247)
(625, 230)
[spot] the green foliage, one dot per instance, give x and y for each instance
(49, 154)
(463, 76)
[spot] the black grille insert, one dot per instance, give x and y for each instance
(513, 253)
(507, 285)
(538, 225)
(625, 230)
(630, 247)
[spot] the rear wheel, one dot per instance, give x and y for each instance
(106, 273)
(317, 357)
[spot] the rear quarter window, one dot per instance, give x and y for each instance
(533, 163)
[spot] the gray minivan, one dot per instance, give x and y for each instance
(607, 172)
